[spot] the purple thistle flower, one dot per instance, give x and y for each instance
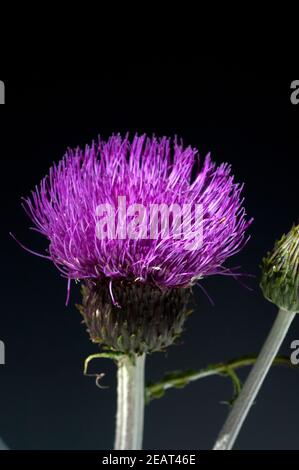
(146, 171)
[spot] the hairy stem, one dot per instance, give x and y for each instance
(130, 402)
(254, 381)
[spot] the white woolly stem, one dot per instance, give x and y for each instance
(255, 379)
(130, 403)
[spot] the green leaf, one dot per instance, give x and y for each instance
(115, 355)
(237, 385)
(179, 379)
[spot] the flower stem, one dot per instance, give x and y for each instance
(254, 381)
(130, 402)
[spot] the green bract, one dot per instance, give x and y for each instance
(280, 272)
(145, 320)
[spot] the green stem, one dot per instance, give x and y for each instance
(180, 379)
(254, 381)
(130, 402)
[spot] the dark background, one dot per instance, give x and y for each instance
(242, 118)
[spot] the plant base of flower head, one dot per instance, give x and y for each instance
(144, 319)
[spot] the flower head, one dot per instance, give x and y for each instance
(280, 272)
(147, 171)
(196, 221)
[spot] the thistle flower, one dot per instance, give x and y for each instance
(136, 283)
(280, 272)
(147, 171)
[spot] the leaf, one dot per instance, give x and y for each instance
(103, 355)
(107, 354)
(237, 385)
(179, 379)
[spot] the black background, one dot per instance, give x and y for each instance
(242, 118)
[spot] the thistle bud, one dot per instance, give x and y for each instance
(145, 319)
(280, 272)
